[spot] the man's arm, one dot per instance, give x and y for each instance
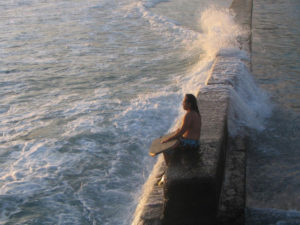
(186, 124)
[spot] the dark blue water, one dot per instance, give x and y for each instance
(273, 160)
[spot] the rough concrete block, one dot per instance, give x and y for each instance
(213, 105)
(225, 71)
(151, 205)
(232, 201)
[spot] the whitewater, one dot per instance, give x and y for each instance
(86, 86)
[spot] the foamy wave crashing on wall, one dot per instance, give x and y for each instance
(248, 105)
(226, 66)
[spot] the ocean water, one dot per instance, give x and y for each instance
(86, 86)
(273, 183)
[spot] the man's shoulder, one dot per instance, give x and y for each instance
(188, 115)
(191, 115)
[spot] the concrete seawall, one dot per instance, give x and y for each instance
(212, 191)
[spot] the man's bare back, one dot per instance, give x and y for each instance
(193, 125)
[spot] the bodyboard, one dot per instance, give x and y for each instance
(157, 147)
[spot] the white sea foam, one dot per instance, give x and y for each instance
(162, 25)
(220, 30)
(151, 112)
(249, 105)
(152, 3)
(218, 37)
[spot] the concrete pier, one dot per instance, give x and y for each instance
(212, 190)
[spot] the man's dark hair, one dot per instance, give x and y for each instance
(193, 101)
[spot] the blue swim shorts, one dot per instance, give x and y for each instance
(189, 143)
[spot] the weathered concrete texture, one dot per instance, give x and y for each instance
(232, 200)
(225, 70)
(151, 205)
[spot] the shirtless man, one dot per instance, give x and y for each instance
(189, 133)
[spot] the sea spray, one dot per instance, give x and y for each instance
(219, 29)
(219, 33)
(249, 105)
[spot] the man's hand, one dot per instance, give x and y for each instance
(164, 140)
